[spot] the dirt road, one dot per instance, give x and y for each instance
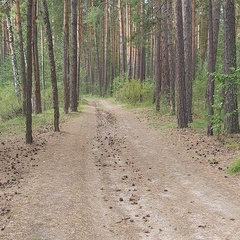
(107, 176)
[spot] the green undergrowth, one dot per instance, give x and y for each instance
(17, 125)
(234, 168)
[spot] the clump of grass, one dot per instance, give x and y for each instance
(234, 168)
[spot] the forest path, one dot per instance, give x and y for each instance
(107, 176)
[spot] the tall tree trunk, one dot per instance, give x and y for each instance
(121, 37)
(128, 38)
(105, 45)
(21, 52)
(79, 51)
(214, 7)
(231, 123)
(211, 69)
(52, 64)
(43, 67)
(13, 55)
(165, 55)
(66, 56)
(187, 27)
(194, 37)
(158, 65)
(180, 68)
(74, 85)
(37, 90)
(113, 48)
(216, 22)
(29, 138)
(171, 51)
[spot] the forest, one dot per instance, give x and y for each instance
(180, 57)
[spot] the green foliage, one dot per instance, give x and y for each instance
(9, 105)
(234, 168)
(199, 92)
(129, 91)
(93, 16)
(221, 83)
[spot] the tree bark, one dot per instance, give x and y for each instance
(187, 27)
(211, 69)
(180, 68)
(121, 37)
(74, 85)
(13, 56)
(66, 57)
(22, 57)
(52, 64)
(231, 123)
(37, 90)
(29, 138)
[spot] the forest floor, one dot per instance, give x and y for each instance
(108, 175)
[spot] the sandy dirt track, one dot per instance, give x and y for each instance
(108, 176)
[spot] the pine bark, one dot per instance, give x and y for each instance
(211, 69)
(231, 123)
(13, 56)
(180, 68)
(73, 65)
(188, 55)
(37, 89)
(22, 57)
(29, 138)
(66, 57)
(52, 64)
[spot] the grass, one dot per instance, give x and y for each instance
(235, 167)
(17, 125)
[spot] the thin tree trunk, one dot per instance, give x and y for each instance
(121, 37)
(158, 65)
(79, 51)
(66, 56)
(37, 90)
(187, 29)
(22, 57)
(29, 138)
(105, 45)
(52, 64)
(13, 56)
(74, 79)
(171, 51)
(211, 69)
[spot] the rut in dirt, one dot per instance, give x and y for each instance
(108, 176)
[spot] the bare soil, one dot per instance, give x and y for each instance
(108, 175)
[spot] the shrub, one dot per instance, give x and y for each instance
(10, 107)
(129, 91)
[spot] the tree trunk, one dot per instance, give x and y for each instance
(165, 55)
(52, 64)
(74, 85)
(13, 55)
(66, 56)
(211, 69)
(180, 68)
(121, 37)
(22, 57)
(171, 51)
(231, 123)
(158, 65)
(105, 45)
(37, 90)
(187, 27)
(29, 138)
